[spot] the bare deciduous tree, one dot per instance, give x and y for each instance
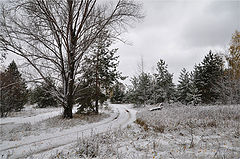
(52, 36)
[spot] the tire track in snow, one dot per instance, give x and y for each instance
(56, 136)
(121, 115)
(57, 146)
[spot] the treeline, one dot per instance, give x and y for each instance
(215, 80)
(211, 81)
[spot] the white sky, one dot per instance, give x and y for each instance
(181, 32)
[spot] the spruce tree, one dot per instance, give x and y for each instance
(13, 90)
(207, 76)
(117, 95)
(141, 91)
(164, 87)
(43, 96)
(194, 95)
(184, 87)
(100, 68)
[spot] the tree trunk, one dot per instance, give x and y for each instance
(96, 86)
(70, 99)
(67, 113)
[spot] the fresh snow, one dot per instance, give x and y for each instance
(119, 137)
(43, 143)
(35, 118)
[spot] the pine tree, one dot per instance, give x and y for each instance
(43, 96)
(100, 68)
(194, 95)
(164, 87)
(117, 95)
(13, 90)
(141, 92)
(207, 76)
(184, 87)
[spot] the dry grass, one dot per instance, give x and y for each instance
(176, 118)
(174, 132)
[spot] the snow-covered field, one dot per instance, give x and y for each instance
(194, 132)
(173, 132)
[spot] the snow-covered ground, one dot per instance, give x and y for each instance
(44, 142)
(172, 132)
(33, 115)
(188, 139)
(194, 132)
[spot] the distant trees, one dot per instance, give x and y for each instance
(140, 93)
(117, 94)
(209, 82)
(53, 36)
(13, 90)
(152, 88)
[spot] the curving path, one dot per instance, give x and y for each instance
(45, 143)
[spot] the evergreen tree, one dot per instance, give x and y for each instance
(117, 95)
(194, 95)
(141, 92)
(164, 87)
(207, 76)
(100, 68)
(184, 87)
(13, 90)
(43, 96)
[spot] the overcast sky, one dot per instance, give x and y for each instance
(181, 32)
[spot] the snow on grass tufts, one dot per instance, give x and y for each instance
(184, 137)
(173, 118)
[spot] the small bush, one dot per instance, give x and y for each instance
(212, 124)
(142, 124)
(88, 148)
(159, 128)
